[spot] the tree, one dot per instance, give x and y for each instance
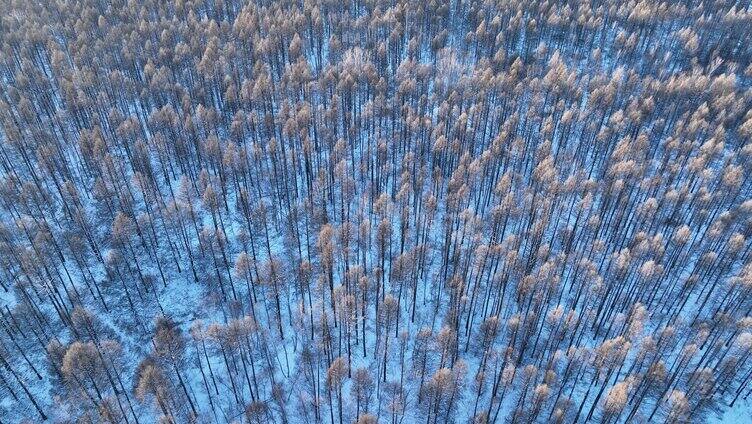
(151, 382)
(557, 196)
(169, 346)
(335, 376)
(82, 365)
(361, 390)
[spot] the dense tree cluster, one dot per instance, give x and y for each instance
(375, 211)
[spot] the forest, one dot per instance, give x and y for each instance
(375, 211)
